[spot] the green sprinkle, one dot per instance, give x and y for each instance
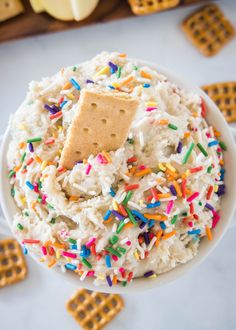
(188, 153)
(12, 192)
(172, 126)
(200, 203)
(120, 227)
(121, 249)
(127, 197)
(53, 220)
(131, 216)
(209, 169)
(86, 263)
(223, 145)
(118, 73)
(26, 214)
(39, 184)
(200, 147)
(11, 173)
(114, 239)
(74, 68)
(23, 157)
(20, 227)
(72, 241)
(39, 199)
(113, 251)
(124, 283)
(135, 68)
(184, 214)
(174, 219)
(130, 141)
(50, 206)
(36, 139)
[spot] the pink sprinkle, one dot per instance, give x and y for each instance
(121, 270)
(90, 273)
(149, 109)
(49, 141)
(190, 224)
(88, 169)
(36, 188)
(44, 197)
(90, 241)
(115, 258)
(216, 219)
(101, 159)
(128, 243)
(142, 167)
(44, 250)
(169, 207)
(192, 197)
(69, 254)
(208, 135)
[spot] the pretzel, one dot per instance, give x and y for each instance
(144, 7)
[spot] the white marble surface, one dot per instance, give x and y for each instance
(205, 298)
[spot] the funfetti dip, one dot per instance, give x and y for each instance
(137, 211)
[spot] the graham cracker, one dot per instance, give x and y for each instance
(224, 95)
(144, 7)
(93, 310)
(102, 122)
(12, 262)
(10, 8)
(208, 29)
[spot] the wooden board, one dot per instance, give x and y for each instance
(30, 23)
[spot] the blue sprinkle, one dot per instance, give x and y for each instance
(111, 87)
(25, 251)
(139, 215)
(108, 260)
(162, 225)
(112, 193)
(146, 85)
(142, 225)
(151, 223)
(107, 215)
(213, 143)
(113, 67)
(85, 253)
(74, 247)
(75, 84)
(29, 184)
(152, 205)
(63, 103)
(194, 232)
(70, 266)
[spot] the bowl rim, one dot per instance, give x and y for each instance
(174, 273)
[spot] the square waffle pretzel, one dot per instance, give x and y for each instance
(224, 95)
(93, 310)
(144, 7)
(208, 29)
(12, 262)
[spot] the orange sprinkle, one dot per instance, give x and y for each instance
(108, 220)
(154, 194)
(158, 236)
(126, 81)
(114, 281)
(163, 122)
(144, 74)
(177, 188)
(221, 162)
(171, 173)
(30, 161)
(59, 245)
(107, 156)
(195, 115)
(16, 169)
(183, 187)
(158, 217)
(56, 115)
(217, 133)
(187, 134)
(209, 192)
(22, 145)
(168, 235)
(143, 172)
(51, 263)
(47, 243)
(38, 159)
(73, 198)
(122, 210)
(188, 191)
(33, 204)
(128, 225)
(208, 233)
(132, 170)
(122, 55)
(167, 195)
(67, 85)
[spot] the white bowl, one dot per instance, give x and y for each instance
(215, 118)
